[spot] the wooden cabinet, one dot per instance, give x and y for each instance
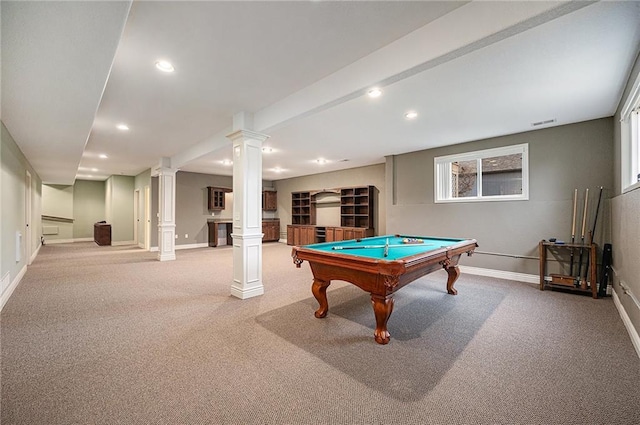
(346, 233)
(301, 211)
(269, 200)
(214, 231)
(356, 207)
(330, 234)
(271, 230)
(215, 197)
(102, 233)
(301, 235)
(359, 232)
(306, 235)
(584, 283)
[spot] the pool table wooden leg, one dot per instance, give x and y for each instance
(454, 273)
(319, 289)
(382, 308)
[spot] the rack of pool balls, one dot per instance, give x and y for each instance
(412, 241)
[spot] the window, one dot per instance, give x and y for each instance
(500, 174)
(630, 139)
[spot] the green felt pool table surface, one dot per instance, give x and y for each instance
(374, 247)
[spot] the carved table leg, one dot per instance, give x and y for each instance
(454, 273)
(382, 308)
(319, 289)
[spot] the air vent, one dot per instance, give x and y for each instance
(343, 160)
(539, 123)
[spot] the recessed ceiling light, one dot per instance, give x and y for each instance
(411, 115)
(277, 170)
(374, 92)
(94, 170)
(226, 162)
(103, 156)
(267, 149)
(321, 161)
(164, 66)
(122, 127)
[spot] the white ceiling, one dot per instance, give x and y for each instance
(71, 71)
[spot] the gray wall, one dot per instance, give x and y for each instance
(88, 207)
(625, 217)
(57, 201)
(192, 206)
(119, 208)
(560, 159)
(87, 202)
(13, 170)
(373, 175)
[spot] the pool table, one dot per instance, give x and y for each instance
(380, 265)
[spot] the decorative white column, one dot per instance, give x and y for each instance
(167, 210)
(247, 213)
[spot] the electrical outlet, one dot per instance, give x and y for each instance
(176, 236)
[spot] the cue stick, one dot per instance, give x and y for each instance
(386, 248)
(591, 236)
(573, 227)
(584, 223)
(595, 220)
(338, 248)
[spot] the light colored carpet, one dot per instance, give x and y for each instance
(110, 335)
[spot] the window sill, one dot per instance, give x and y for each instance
(485, 199)
(631, 188)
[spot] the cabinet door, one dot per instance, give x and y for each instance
(269, 200)
(276, 231)
(271, 231)
(338, 234)
(359, 233)
(212, 234)
(307, 235)
(215, 198)
(348, 234)
(330, 234)
(290, 236)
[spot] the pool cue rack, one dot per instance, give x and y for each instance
(561, 251)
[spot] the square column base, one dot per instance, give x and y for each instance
(166, 242)
(243, 293)
(247, 266)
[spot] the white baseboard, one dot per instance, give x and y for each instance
(185, 246)
(120, 243)
(35, 253)
(9, 290)
(57, 241)
(192, 246)
(633, 333)
(500, 274)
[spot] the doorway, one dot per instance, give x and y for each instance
(27, 218)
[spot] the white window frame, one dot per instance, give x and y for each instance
(442, 174)
(630, 140)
